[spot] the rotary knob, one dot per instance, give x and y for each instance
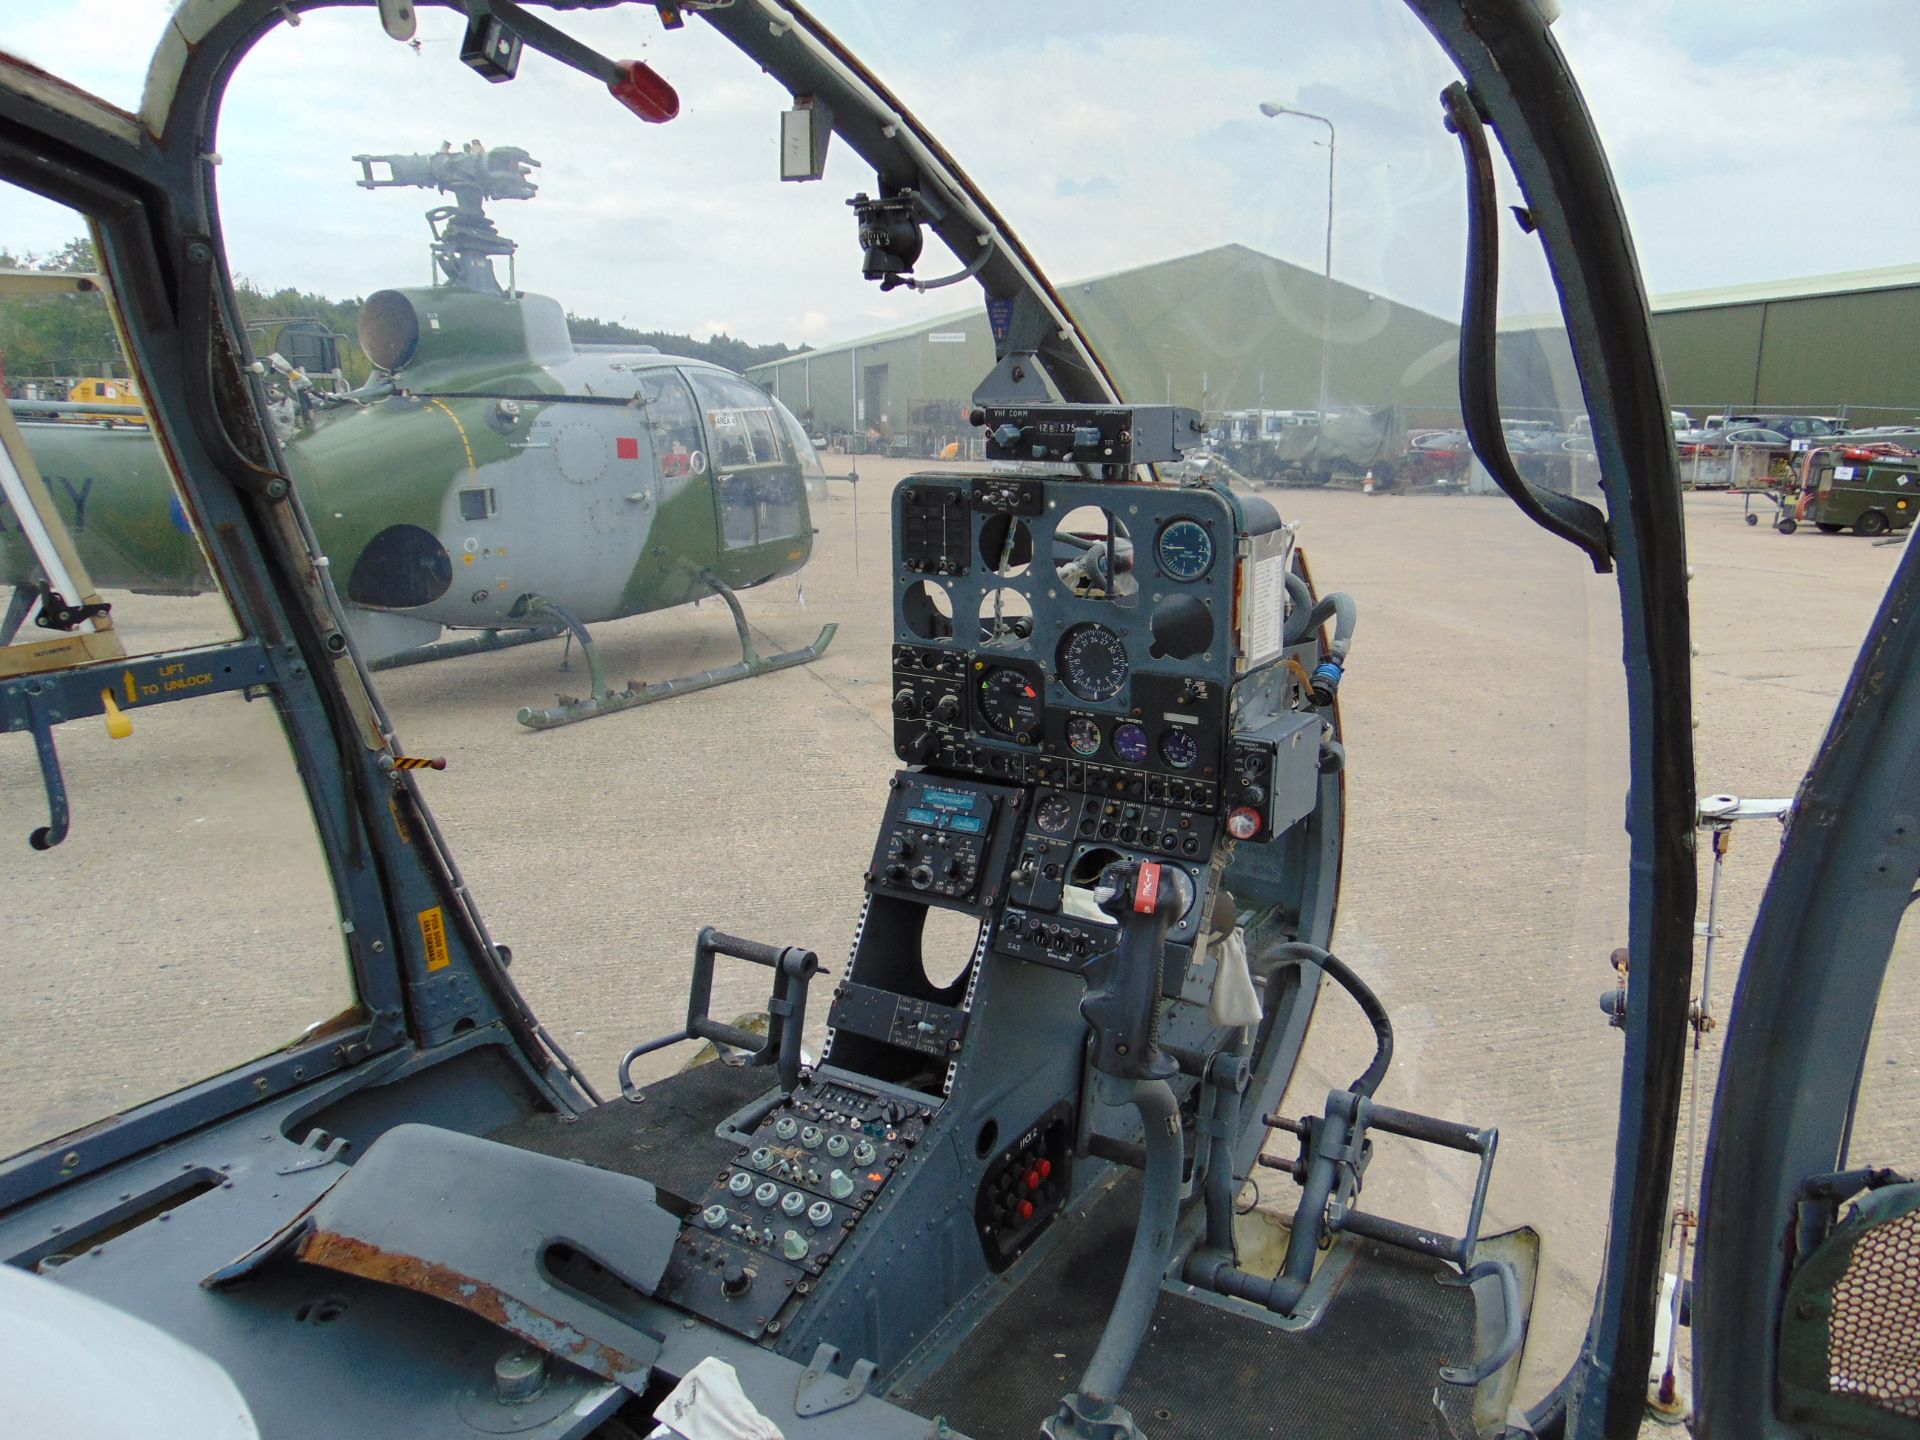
(819, 1213)
(839, 1185)
(786, 1127)
(741, 1182)
(947, 709)
(863, 1153)
(767, 1193)
(714, 1217)
(810, 1137)
(793, 1202)
(793, 1245)
(906, 704)
(836, 1147)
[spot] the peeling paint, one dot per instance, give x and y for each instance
(352, 1256)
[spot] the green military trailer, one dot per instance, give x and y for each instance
(1871, 492)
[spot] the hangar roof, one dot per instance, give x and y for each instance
(1887, 277)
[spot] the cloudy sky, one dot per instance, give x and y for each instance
(1753, 139)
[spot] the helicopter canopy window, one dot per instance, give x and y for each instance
(179, 920)
(1485, 876)
(674, 422)
(756, 468)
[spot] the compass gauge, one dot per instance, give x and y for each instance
(1093, 662)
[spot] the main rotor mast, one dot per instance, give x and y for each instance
(464, 238)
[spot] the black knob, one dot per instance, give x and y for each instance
(735, 1281)
(947, 709)
(921, 876)
(906, 704)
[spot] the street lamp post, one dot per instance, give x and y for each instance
(1273, 109)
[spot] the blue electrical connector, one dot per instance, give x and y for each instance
(1324, 683)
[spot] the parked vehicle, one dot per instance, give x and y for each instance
(1793, 427)
(1871, 490)
(1434, 458)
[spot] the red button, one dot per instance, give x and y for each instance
(1046, 1168)
(1033, 1179)
(1026, 1209)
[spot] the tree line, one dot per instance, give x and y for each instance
(67, 336)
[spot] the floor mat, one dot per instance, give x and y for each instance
(666, 1137)
(1366, 1371)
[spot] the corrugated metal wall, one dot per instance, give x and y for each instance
(1856, 352)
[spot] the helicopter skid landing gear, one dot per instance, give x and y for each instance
(603, 700)
(485, 643)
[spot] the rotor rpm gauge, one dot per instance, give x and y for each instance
(1185, 550)
(1093, 662)
(1009, 703)
(1083, 734)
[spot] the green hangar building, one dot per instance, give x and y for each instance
(1232, 329)
(1210, 348)
(1845, 345)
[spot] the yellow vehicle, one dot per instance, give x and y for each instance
(116, 393)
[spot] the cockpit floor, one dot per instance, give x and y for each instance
(1367, 1370)
(666, 1137)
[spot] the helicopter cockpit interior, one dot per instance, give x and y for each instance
(1141, 978)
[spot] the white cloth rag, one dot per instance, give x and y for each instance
(708, 1404)
(1234, 1000)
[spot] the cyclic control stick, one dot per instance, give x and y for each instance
(1122, 1005)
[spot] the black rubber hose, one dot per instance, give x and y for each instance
(1152, 1247)
(1363, 995)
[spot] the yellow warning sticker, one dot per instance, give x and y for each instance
(433, 930)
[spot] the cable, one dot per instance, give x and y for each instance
(1363, 995)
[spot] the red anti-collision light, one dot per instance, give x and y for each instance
(642, 90)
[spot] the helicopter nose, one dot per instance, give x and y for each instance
(401, 567)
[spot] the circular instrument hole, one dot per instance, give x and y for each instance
(927, 610)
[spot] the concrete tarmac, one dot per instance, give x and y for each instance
(186, 927)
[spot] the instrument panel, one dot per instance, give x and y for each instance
(1076, 634)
